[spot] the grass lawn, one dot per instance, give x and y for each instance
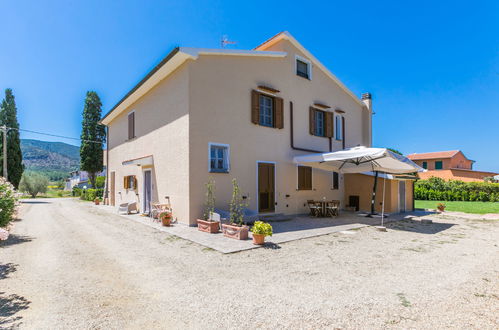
(467, 207)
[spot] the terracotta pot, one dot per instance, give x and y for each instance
(166, 220)
(258, 239)
(97, 202)
(236, 232)
(441, 208)
(211, 227)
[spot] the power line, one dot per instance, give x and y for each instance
(53, 135)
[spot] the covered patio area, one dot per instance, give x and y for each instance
(288, 229)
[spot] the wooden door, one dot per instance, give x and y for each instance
(113, 188)
(266, 187)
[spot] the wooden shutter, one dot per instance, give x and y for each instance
(312, 121)
(343, 131)
(131, 125)
(329, 124)
(279, 112)
(134, 182)
(255, 107)
(125, 182)
(304, 178)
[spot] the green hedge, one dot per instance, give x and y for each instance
(88, 194)
(437, 189)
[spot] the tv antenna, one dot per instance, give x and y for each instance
(225, 41)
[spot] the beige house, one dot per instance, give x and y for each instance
(243, 114)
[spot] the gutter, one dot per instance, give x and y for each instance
(292, 135)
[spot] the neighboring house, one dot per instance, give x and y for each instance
(243, 114)
(448, 165)
(79, 179)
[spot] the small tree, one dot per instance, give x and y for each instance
(92, 137)
(209, 205)
(237, 205)
(8, 200)
(33, 184)
(100, 181)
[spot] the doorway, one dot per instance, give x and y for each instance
(147, 191)
(266, 187)
(401, 196)
(113, 188)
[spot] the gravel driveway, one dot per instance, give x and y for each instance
(70, 265)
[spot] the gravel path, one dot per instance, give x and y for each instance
(70, 265)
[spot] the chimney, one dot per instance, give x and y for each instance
(367, 99)
(367, 126)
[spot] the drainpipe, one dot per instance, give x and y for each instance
(106, 190)
(292, 135)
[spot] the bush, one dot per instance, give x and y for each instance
(91, 194)
(33, 184)
(454, 190)
(8, 199)
(100, 181)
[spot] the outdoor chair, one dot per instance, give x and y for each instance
(332, 208)
(157, 208)
(315, 209)
(128, 207)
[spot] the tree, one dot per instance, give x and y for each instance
(92, 137)
(33, 184)
(8, 117)
(395, 151)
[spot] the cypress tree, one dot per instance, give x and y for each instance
(8, 117)
(91, 157)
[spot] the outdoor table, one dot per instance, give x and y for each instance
(324, 203)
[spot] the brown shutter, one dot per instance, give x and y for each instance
(304, 178)
(131, 125)
(329, 124)
(312, 121)
(309, 178)
(343, 130)
(255, 107)
(279, 112)
(125, 182)
(134, 178)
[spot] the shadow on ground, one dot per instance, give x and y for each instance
(419, 227)
(15, 239)
(29, 201)
(6, 270)
(10, 305)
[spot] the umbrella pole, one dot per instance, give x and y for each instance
(373, 201)
(383, 203)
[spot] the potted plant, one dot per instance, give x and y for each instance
(441, 207)
(166, 218)
(97, 200)
(207, 224)
(236, 229)
(261, 229)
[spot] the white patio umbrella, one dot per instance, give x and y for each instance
(359, 160)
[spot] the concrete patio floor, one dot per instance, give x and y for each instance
(298, 227)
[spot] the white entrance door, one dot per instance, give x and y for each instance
(147, 191)
(401, 196)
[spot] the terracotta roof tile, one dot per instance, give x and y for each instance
(433, 155)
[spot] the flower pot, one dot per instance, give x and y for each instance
(258, 239)
(211, 227)
(166, 219)
(97, 202)
(441, 208)
(236, 232)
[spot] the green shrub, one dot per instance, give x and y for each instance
(455, 190)
(8, 199)
(91, 194)
(262, 228)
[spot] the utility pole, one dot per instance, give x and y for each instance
(5, 173)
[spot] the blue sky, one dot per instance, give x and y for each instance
(432, 66)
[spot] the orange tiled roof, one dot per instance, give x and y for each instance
(433, 155)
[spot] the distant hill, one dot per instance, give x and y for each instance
(54, 159)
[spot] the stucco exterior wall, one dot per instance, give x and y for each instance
(362, 185)
(162, 130)
(220, 104)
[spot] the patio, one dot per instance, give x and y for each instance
(296, 228)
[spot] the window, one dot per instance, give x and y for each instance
(130, 182)
(219, 158)
(303, 67)
(266, 111)
(336, 181)
(319, 127)
(438, 165)
(304, 178)
(131, 125)
(425, 165)
(338, 127)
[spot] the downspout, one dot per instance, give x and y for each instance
(292, 134)
(106, 191)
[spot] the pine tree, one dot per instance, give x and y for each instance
(8, 117)
(92, 137)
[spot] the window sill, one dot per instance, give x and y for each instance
(307, 78)
(218, 171)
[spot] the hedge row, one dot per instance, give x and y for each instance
(438, 189)
(88, 194)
